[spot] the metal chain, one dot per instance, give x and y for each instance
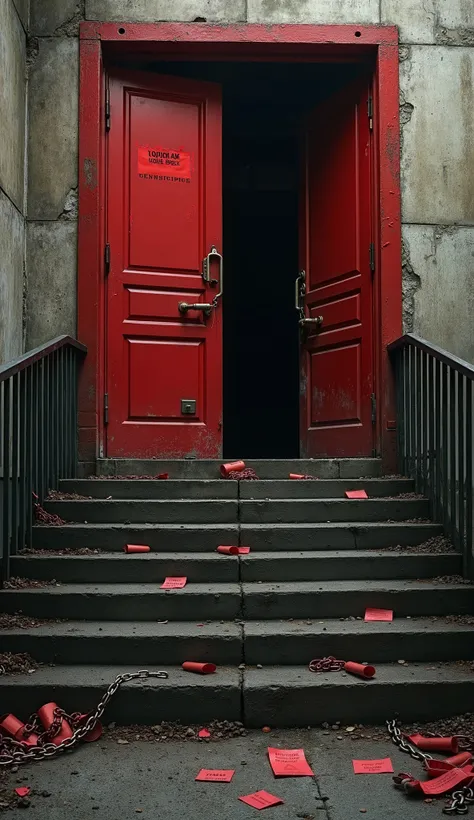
(403, 744)
(14, 752)
(328, 664)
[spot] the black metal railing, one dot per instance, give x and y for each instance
(38, 429)
(435, 433)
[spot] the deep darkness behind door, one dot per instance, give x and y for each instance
(164, 212)
(335, 239)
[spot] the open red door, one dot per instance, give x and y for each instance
(334, 289)
(164, 217)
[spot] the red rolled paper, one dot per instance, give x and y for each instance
(12, 726)
(295, 476)
(435, 744)
(232, 467)
(228, 550)
(199, 668)
(360, 669)
(136, 548)
(46, 716)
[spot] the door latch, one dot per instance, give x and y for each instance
(188, 407)
(208, 307)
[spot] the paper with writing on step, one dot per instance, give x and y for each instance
(448, 781)
(289, 763)
(216, 775)
(261, 800)
(356, 494)
(372, 766)
(174, 583)
(378, 614)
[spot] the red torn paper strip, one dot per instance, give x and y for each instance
(204, 733)
(447, 782)
(216, 775)
(174, 583)
(289, 763)
(23, 791)
(356, 494)
(372, 766)
(244, 550)
(378, 614)
(261, 800)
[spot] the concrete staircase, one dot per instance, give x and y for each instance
(317, 561)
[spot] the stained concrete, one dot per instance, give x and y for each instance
(432, 21)
(12, 103)
(11, 279)
(157, 780)
(23, 10)
(443, 304)
(51, 294)
(313, 11)
(53, 131)
(47, 16)
(437, 162)
(149, 11)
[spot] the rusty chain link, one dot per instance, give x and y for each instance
(14, 752)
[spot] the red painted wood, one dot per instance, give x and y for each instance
(162, 219)
(337, 359)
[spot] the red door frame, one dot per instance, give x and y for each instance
(100, 42)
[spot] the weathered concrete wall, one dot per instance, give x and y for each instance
(437, 164)
(13, 23)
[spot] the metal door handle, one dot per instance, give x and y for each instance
(318, 320)
(207, 307)
(183, 307)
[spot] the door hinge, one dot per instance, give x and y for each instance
(106, 409)
(107, 259)
(373, 402)
(372, 256)
(107, 109)
(370, 111)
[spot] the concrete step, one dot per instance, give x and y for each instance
(336, 599)
(297, 642)
(140, 643)
(265, 468)
(117, 568)
(113, 537)
(146, 512)
(312, 510)
(183, 697)
(179, 488)
(294, 696)
(126, 602)
(324, 488)
(345, 565)
(348, 535)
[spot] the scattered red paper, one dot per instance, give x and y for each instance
(204, 733)
(447, 782)
(216, 775)
(378, 614)
(372, 766)
(261, 800)
(289, 763)
(174, 583)
(356, 494)
(244, 550)
(23, 791)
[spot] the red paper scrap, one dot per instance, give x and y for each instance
(216, 775)
(378, 614)
(356, 494)
(372, 766)
(23, 791)
(261, 800)
(447, 782)
(289, 763)
(204, 733)
(244, 550)
(163, 476)
(174, 583)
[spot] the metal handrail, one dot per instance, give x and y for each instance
(38, 435)
(435, 434)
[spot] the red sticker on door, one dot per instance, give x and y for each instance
(163, 163)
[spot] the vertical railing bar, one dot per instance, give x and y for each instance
(399, 399)
(62, 415)
(68, 429)
(452, 457)
(424, 422)
(469, 487)
(31, 454)
(75, 370)
(40, 430)
(460, 472)
(15, 441)
(430, 398)
(6, 482)
(404, 371)
(23, 460)
(438, 456)
(418, 419)
(444, 448)
(412, 403)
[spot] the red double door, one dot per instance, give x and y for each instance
(164, 254)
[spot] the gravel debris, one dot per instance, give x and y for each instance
(407, 496)
(436, 545)
(445, 727)
(445, 579)
(57, 495)
(65, 551)
(19, 664)
(29, 583)
(175, 731)
(19, 621)
(125, 478)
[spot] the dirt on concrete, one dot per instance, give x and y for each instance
(218, 730)
(17, 664)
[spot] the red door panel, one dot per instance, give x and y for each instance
(335, 231)
(164, 213)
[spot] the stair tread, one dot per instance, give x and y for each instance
(334, 626)
(318, 525)
(387, 674)
(126, 589)
(214, 556)
(130, 629)
(94, 676)
(350, 586)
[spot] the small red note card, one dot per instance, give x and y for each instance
(289, 763)
(261, 800)
(372, 766)
(174, 583)
(378, 614)
(356, 494)
(23, 791)
(216, 775)
(204, 733)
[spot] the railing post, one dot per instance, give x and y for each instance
(6, 487)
